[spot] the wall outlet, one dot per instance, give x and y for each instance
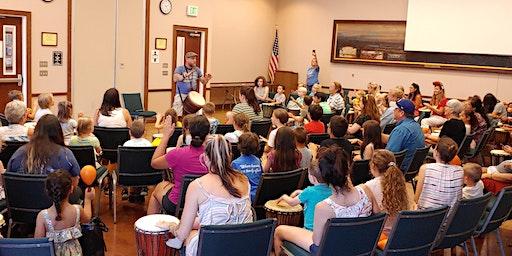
(43, 72)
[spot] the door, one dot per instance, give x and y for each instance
(11, 57)
(187, 41)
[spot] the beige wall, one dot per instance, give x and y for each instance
(46, 17)
(305, 25)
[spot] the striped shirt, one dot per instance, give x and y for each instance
(248, 110)
(442, 186)
(336, 101)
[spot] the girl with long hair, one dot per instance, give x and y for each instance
(241, 124)
(219, 197)
(66, 120)
(415, 96)
(372, 140)
(472, 116)
(436, 105)
(248, 105)
(284, 156)
(111, 114)
(369, 111)
(261, 89)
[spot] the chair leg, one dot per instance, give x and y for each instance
(465, 246)
(114, 185)
(9, 229)
(500, 242)
(473, 244)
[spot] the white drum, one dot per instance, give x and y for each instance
(498, 156)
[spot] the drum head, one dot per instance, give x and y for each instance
(196, 98)
(157, 135)
(148, 222)
(499, 152)
(272, 205)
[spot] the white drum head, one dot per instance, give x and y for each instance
(197, 98)
(499, 152)
(500, 130)
(148, 223)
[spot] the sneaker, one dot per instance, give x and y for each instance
(124, 194)
(144, 191)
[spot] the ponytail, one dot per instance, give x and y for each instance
(58, 186)
(242, 121)
(334, 169)
(394, 192)
(199, 128)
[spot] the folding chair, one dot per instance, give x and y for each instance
(185, 182)
(360, 172)
(26, 246)
(414, 167)
(8, 150)
(224, 128)
(133, 103)
(317, 138)
(261, 128)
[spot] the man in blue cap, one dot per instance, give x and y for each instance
(407, 134)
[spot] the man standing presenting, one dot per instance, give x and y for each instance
(186, 77)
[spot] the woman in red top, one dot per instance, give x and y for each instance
(437, 104)
(285, 156)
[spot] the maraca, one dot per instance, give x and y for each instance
(88, 174)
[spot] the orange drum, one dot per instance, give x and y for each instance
(151, 239)
(193, 103)
(284, 213)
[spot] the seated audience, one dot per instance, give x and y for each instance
(318, 100)
(241, 125)
(415, 97)
(386, 118)
(454, 127)
(85, 136)
(160, 118)
(373, 89)
(301, 138)
(279, 98)
(248, 105)
(493, 108)
(495, 178)
(66, 120)
(181, 161)
(136, 135)
(220, 197)
(279, 119)
(208, 112)
(61, 222)
(44, 101)
(111, 114)
(315, 125)
(316, 88)
(284, 156)
(16, 115)
(372, 140)
(299, 102)
(335, 101)
(185, 138)
(356, 101)
(436, 105)
(247, 163)
(473, 185)
(18, 95)
(369, 111)
(346, 201)
(474, 116)
(382, 102)
(261, 89)
(407, 133)
(337, 130)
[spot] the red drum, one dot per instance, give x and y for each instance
(193, 103)
(150, 238)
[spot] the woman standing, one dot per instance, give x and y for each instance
(111, 114)
(312, 73)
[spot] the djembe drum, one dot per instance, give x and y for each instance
(498, 156)
(193, 103)
(150, 238)
(285, 214)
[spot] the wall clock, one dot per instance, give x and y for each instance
(165, 6)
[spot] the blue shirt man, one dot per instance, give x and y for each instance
(407, 133)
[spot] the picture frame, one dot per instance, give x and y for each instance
(49, 39)
(160, 43)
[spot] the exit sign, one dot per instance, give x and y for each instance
(192, 10)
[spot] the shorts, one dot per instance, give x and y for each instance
(168, 206)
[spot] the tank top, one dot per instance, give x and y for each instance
(361, 208)
(115, 120)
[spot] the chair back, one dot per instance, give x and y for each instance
(399, 157)
(499, 212)
(234, 240)
(465, 145)
(326, 119)
(84, 155)
(26, 246)
(317, 138)
(481, 143)
(185, 182)
(224, 128)
(25, 195)
(359, 235)
(414, 232)
(8, 150)
(261, 149)
(3, 120)
(173, 140)
(261, 127)
(110, 139)
(416, 163)
(235, 152)
(389, 128)
(360, 172)
(134, 167)
(133, 102)
(465, 221)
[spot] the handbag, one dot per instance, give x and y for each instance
(92, 241)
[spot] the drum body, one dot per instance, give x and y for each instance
(193, 103)
(151, 239)
(498, 156)
(294, 111)
(291, 215)
(268, 109)
(501, 136)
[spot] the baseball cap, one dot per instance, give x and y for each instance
(406, 105)
(190, 55)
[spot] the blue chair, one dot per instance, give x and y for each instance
(493, 219)
(360, 172)
(133, 103)
(185, 182)
(350, 236)
(464, 222)
(465, 146)
(317, 138)
(233, 240)
(224, 128)
(399, 157)
(414, 232)
(389, 128)
(477, 152)
(414, 167)
(110, 139)
(26, 246)
(262, 127)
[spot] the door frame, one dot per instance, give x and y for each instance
(203, 53)
(26, 44)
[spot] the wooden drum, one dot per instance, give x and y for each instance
(193, 103)
(284, 213)
(268, 109)
(501, 136)
(151, 239)
(498, 156)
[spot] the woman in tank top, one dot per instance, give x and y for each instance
(111, 114)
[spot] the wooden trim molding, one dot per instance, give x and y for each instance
(54, 94)
(250, 82)
(160, 90)
(70, 53)
(146, 52)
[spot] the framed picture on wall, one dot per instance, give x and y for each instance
(49, 39)
(161, 43)
(9, 50)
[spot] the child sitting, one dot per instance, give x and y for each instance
(67, 123)
(160, 119)
(279, 119)
(45, 101)
(356, 102)
(208, 111)
(301, 138)
(185, 138)
(85, 137)
(474, 187)
(310, 196)
(318, 100)
(137, 130)
(248, 163)
(314, 125)
(61, 222)
(279, 97)
(316, 88)
(241, 124)
(297, 103)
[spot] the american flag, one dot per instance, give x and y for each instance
(273, 64)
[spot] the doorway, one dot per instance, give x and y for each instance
(190, 39)
(14, 66)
